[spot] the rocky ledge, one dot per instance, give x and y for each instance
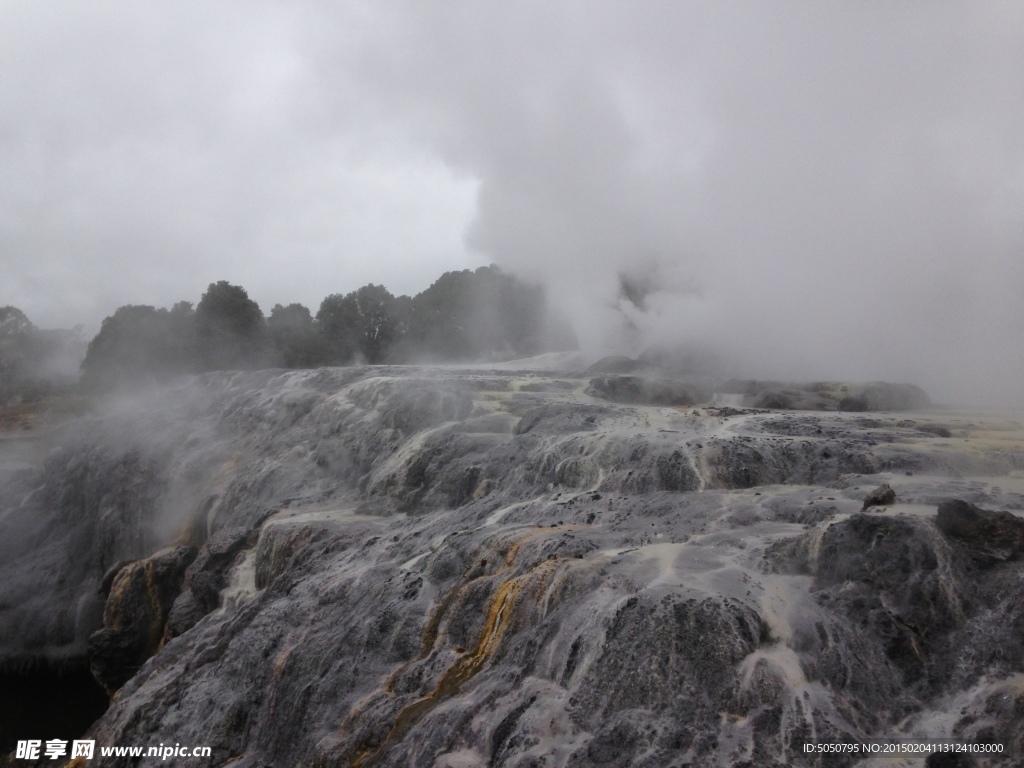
(430, 567)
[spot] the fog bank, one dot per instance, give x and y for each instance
(826, 190)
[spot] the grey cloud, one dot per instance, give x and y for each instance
(149, 152)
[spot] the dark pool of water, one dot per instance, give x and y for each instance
(46, 703)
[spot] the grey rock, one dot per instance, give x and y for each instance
(643, 391)
(204, 579)
(989, 537)
(135, 615)
(420, 566)
(882, 496)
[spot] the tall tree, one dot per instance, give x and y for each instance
(364, 324)
(442, 318)
(293, 332)
(230, 330)
(138, 344)
(475, 314)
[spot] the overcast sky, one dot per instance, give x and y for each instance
(815, 189)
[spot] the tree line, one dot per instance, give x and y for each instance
(467, 315)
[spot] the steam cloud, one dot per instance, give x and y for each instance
(827, 190)
(814, 190)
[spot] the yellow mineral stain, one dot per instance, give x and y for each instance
(433, 629)
(499, 617)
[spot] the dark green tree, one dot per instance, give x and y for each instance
(230, 330)
(181, 349)
(140, 344)
(336, 322)
(442, 318)
(477, 314)
(293, 332)
(511, 314)
(362, 325)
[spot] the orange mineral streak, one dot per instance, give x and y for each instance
(500, 612)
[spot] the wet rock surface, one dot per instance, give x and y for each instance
(882, 496)
(139, 599)
(429, 567)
